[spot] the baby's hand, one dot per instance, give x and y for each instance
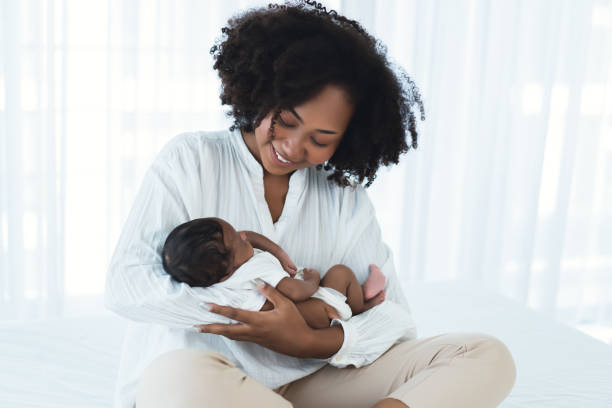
(287, 263)
(312, 275)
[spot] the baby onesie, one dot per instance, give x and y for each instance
(267, 267)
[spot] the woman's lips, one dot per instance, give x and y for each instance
(277, 160)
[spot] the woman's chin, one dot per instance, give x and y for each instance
(279, 172)
(275, 170)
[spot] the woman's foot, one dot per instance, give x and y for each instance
(375, 283)
(376, 300)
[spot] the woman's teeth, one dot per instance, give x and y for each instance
(280, 158)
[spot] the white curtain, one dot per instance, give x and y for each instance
(511, 185)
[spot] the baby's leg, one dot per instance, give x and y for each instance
(342, 278)
(316, 312)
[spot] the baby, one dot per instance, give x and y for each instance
(208, 251)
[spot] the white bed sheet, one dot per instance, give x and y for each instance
(73, 362)
(60, 363)
(557, 365)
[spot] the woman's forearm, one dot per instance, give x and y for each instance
(324, 343)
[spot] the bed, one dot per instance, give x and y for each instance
(73, 362)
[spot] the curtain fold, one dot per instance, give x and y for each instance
(511, 184)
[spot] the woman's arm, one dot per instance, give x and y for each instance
(282, 329)
(137, 287)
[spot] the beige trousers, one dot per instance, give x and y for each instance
(458, 370)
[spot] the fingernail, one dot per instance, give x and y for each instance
(259, 282)
(205, 305)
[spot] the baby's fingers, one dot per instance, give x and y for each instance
(291, 270)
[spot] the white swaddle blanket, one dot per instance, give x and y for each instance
(265, 266)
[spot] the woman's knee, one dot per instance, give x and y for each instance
(493, 356)
(494, 351)
(191, 378)
(183, 377)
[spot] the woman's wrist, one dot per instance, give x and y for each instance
(323, 343)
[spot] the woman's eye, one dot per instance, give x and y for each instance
(317, 143)
(284, 124)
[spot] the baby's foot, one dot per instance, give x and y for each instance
(376, 300)
(375, 282)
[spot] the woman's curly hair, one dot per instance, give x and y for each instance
(276, 58)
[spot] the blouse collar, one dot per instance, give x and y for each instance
(245, 154)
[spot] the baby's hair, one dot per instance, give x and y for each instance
(194, 253)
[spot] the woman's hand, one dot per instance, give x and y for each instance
(282, 329)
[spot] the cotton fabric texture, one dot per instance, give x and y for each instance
(265, 266)
(204, 174)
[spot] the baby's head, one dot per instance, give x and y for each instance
(205, 251)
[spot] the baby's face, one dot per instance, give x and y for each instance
(238, 244)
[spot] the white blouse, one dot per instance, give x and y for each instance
(204, 174)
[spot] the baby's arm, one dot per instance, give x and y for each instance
(261, 242)
(299, 290)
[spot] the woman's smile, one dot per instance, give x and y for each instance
(278, 159)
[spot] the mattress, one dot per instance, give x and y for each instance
(557, 365)
(73, 362)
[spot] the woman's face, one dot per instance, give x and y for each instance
(304, 136)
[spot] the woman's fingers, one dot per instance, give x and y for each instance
(282, 329)
(241, 315)
(272, 294)
(239, 332)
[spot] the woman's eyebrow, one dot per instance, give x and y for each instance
(330, 132)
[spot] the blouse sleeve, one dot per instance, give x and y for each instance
(137, 286)
(368, 335)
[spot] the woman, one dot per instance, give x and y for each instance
(317, 109)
